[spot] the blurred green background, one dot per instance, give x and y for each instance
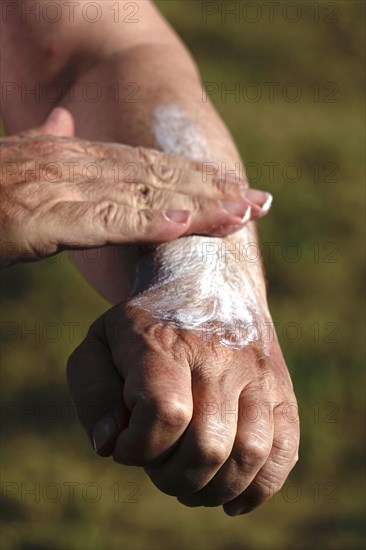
(317, 142)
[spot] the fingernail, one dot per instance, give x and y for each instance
(103, 431)
(236, 209)
(267, 205)
(261, 198)
(247, 215)
(177, 216)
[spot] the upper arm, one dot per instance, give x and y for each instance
(45, 49)
(51, 35)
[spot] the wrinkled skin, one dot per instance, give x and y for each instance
(211, 424)
(62, 192)
(185, 378)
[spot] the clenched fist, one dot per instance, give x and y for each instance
(60, 192)
(210, 424)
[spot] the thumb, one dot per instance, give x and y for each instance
(59, 122)
(97, 391)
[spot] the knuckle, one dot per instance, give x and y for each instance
(164, 338)
(146, 156)
(227, 189)
(143, 194)
(168, 175)
(220, 186)
(268, 483)
(198, 204)
(286, 448)
(263, 492)
(195, 204)
(208, 169)
(141, 220)
(282, 459)
(173, 413)
(253, 452)
(214, 453)
(107, 213)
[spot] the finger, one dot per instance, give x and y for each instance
(195, 183)
(206, 444)
(206, 177)
(181, 180)
(199, 184)
(158, 394)
(85, 224)
(147, 156)
(273, 474)
(135, 157)
(251, 449)
(97, 391)
(208, 217)
(261, 199)
(168, 171)
(59, 122)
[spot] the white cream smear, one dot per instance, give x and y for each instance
(197, 290)
(176, 134)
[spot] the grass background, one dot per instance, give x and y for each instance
(322, 504)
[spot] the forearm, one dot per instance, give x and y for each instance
(150, 95)
(170, 114)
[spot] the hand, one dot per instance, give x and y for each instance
(60, 192)
(211, 424)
